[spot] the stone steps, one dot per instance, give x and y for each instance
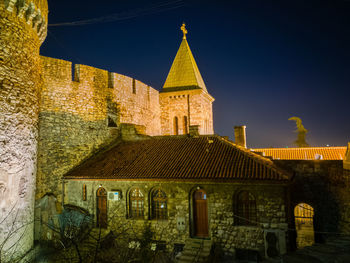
(335, 250)
(195, 250)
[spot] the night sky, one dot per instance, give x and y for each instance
(263, 61)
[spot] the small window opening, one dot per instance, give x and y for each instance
(75, 72)
(148, 93)
(133, 86)
(110, 80)
(176, 126)
(111, 122)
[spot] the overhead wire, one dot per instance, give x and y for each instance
(64, 47)
(153, 9)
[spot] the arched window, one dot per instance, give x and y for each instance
(246, 209)
(176, 126)
(185, 125)
(136, 201)
(159, 204)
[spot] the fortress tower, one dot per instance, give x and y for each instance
(23, 27)
(184, 99)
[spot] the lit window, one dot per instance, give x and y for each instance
(159, 205)
(136, 201)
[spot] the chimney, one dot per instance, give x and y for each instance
(240, 137)
(346, 161)
(194, 130)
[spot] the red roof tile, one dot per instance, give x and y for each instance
(304, 153)
(179, 158)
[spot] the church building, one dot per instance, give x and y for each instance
(191, 184)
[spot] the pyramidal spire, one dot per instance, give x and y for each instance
(184, 72)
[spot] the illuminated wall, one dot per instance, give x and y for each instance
(81, 114)
(23, 27)
(195, 104)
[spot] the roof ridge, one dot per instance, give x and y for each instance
(299, 148)
(260, 159)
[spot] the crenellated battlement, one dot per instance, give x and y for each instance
(33, 12)
(64, 71)
(84, 91)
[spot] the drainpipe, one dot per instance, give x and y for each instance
(62, 193)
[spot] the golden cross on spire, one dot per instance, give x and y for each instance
(184, 30)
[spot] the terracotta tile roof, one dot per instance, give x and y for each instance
(305, 153)
(179, 158)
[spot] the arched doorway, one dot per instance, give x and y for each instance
(200, 213)
(304, 225)
(101, 201)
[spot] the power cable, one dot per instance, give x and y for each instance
(157, 8)
(60, 44)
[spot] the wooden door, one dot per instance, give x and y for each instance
(101, 200)
(200, 213)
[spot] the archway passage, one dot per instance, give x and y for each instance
(200, 213)
(101, 201)
(304, 225)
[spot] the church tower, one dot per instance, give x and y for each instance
(23, 28)
(184, 99)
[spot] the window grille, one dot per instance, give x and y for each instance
(159, 205)
(246, 209)
(136, 203)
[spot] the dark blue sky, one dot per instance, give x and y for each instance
(263, 61)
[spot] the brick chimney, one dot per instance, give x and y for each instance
(240, 137)
(194, 130)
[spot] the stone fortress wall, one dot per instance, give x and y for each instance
(79, 116)
(23, 27)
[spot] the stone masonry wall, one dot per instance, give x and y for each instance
(194, 103)
(201, 108)
(324, 185)
(22, 30)
(270, 201)
(78, 117)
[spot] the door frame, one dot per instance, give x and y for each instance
(97, 207)
(192, 211)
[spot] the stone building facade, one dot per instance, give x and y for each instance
(181, 167)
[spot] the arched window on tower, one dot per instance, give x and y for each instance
(246, 209)
(159, 204)
(176, 126)
(185, 129)
(136, 201)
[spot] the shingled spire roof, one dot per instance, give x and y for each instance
(184, 72)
